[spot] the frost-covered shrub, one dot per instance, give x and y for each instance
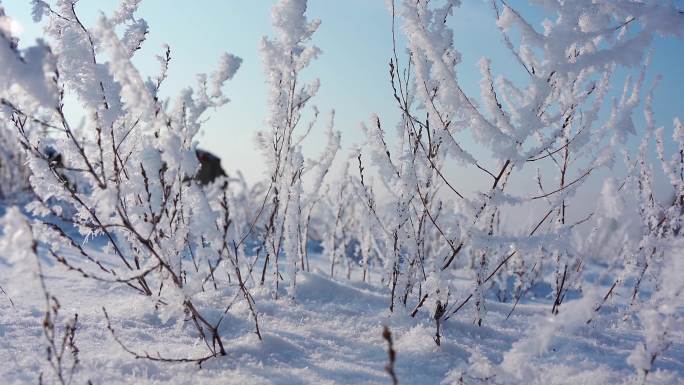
(287, 206)
(13, 170)
(123, 175)
(561, 125)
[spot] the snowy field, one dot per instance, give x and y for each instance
(332, 334)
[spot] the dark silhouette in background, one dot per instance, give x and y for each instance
(210, 167)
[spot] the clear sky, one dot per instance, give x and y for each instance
(355, 37)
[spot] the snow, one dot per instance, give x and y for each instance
(331, 333)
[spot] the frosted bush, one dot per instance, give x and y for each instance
(124, 174)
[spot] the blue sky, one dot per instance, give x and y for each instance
(356, 42)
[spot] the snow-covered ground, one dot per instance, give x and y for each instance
(332, 333)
